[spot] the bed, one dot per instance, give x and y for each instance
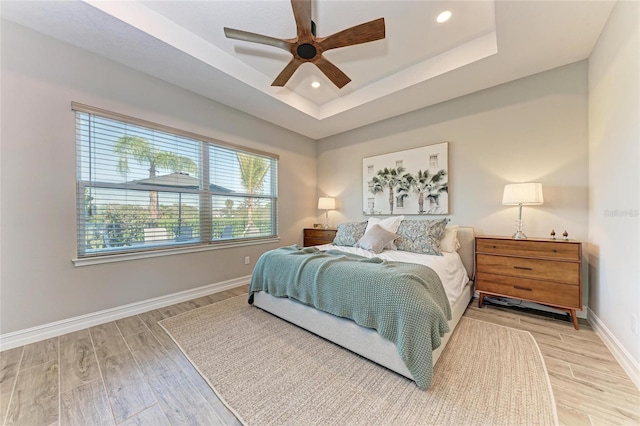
(454, 269)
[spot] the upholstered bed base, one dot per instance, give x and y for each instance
(346, 333)
(365, 341)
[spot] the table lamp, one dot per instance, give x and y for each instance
(326, 204)
(520, 194)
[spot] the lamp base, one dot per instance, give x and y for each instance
(519, 235)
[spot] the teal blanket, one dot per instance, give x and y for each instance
(404, 302)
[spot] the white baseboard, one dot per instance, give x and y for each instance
(58, 328)
(626, 361)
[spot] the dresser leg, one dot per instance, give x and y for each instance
(575, 318)
(480, 298)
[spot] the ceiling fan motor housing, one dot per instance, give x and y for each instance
(306, 51)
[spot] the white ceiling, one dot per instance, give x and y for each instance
(419, 63)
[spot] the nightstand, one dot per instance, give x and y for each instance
(548, 272)
(316, 237)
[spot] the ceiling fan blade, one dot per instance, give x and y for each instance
(363, 33)
(334, 73)
(256, 38)
(302, 15)
(286, 73)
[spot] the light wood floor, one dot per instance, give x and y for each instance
(130, 372)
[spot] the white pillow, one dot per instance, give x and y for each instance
(449, 241)
(389, 224)
(375, 239)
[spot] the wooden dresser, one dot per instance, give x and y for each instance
(316, 237)
(548, 272)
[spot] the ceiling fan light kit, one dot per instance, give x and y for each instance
(306, 47)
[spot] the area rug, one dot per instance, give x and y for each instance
(270, 372)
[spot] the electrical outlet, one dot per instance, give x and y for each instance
(634, 324)
(247, 260)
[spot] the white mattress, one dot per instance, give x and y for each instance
(449, 266)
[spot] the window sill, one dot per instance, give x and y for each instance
(97, 260)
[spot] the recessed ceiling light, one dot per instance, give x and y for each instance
(315, 84)
(443, 17)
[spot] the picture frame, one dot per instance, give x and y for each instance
(410, 182)
(318, 226)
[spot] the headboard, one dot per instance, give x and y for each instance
(466, 237)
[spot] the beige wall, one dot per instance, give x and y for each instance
(614, 175)
(40, 78)
(532, 129)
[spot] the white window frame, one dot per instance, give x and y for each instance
(206, 217)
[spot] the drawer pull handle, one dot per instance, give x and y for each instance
(517, 287)
(524, 268)
(555, 251)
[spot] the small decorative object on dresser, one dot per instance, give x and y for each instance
(316, 237)
(536, 270)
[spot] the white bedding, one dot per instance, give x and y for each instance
(449, 266)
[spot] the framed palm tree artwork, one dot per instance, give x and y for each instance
(414, 181)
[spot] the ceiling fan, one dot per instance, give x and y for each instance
(306, 47)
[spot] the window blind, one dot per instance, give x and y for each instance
(144, 187)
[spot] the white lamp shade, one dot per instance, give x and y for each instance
(529, 193)
(326, 203)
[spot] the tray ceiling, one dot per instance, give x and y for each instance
(419, 63)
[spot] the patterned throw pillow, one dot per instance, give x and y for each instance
(421, 236)
(349, 233)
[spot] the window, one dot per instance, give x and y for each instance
(145, 187)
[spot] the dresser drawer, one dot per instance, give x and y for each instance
(562, 272)
(537, 291)
(316, 237)
(323, 234)
(543, 249)
(316, 242)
